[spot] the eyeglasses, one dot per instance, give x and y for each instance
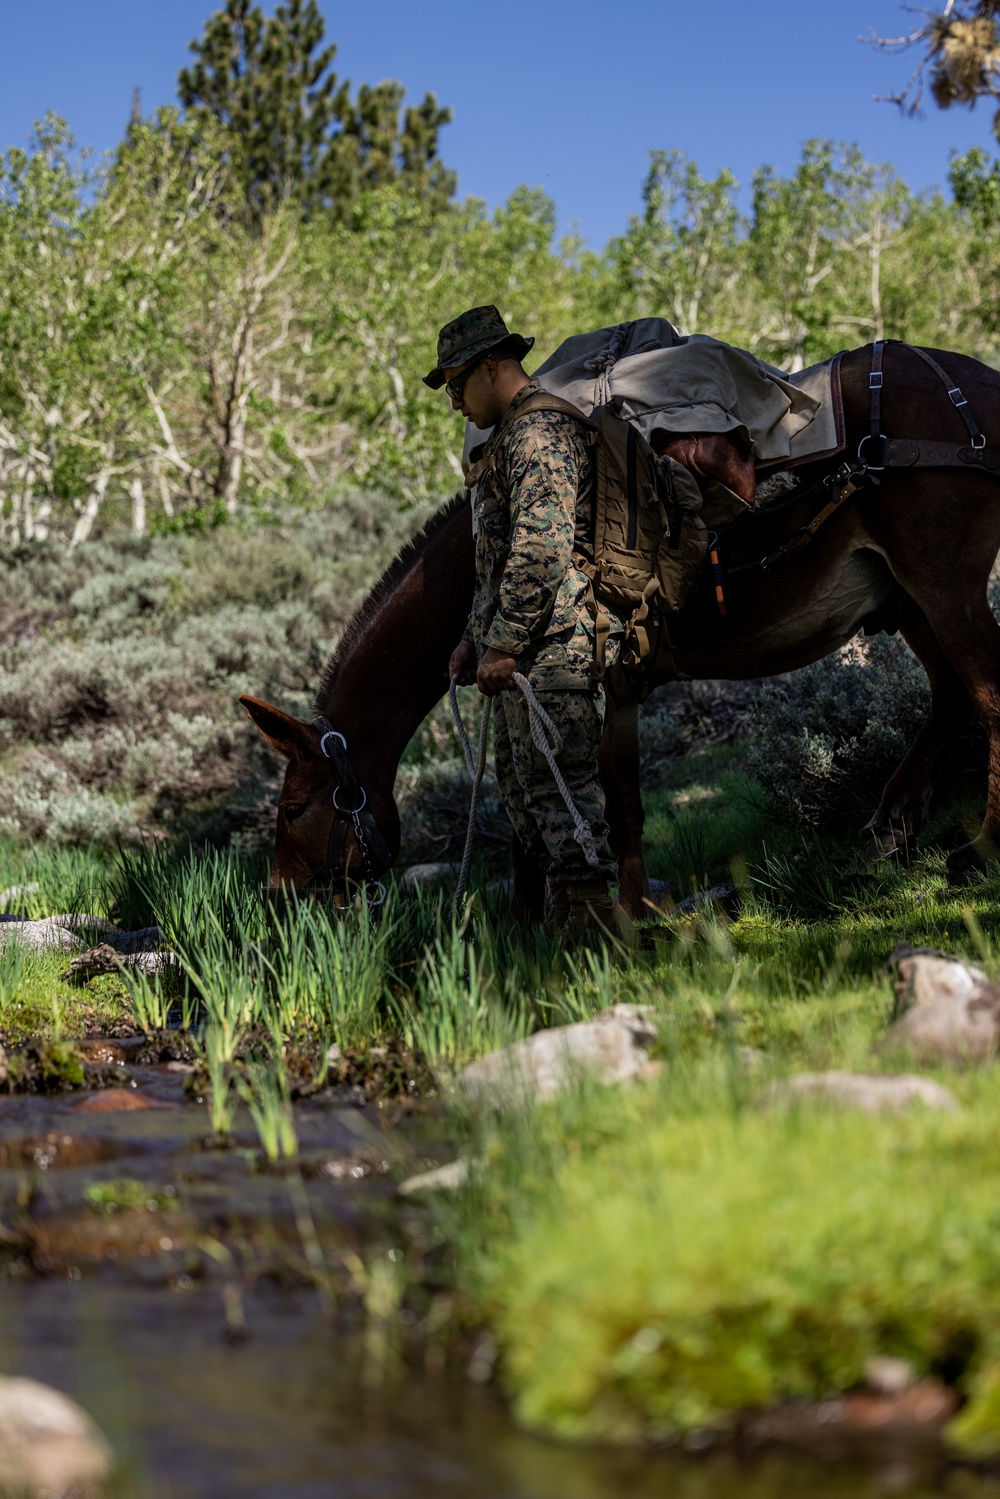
(457, 386)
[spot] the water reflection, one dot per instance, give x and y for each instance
(285, 1416)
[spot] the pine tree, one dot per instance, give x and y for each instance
(271, 83)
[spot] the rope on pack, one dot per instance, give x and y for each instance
(603, 363)
(477, 769)
(548, 742)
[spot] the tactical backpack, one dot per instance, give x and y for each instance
(648, 542)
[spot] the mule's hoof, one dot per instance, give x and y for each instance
(965, 865)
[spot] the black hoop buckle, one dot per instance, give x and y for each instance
(350, 811)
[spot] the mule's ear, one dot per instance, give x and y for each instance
(282, 732)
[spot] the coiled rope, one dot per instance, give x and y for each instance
(548, 742)
(603, 363)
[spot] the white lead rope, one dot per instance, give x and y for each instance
(548, 742)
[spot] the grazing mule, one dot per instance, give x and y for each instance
(911, 550)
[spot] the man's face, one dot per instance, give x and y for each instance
(478, 399)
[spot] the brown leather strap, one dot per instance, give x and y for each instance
(907, 452)
(955, 396)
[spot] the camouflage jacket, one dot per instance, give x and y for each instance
(532, 507)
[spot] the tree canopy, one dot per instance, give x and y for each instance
(295, 130)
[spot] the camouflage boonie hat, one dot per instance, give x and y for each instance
(474, 332)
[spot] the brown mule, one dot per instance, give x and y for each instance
(913, 553)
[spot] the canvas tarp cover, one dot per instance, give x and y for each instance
(694, 384)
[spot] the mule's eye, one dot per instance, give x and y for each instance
(293, 810)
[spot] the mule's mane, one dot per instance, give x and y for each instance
(381, 592)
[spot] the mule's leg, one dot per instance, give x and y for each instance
(906, 799)
(529, 884)
(619, 769)
(962, 621)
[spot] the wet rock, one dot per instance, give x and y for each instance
(427, 875)
(611, 1048)
(56, 1150)
(947, 1011)
(48, 1445)
(102, 1053)
(449, 1178)
(841, 1423)
(166, 1045)
(890, 1376)
(868, 1092)
(116, 1101)
(45, 1067)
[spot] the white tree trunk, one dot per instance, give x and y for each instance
(138, 495)
(89, 513)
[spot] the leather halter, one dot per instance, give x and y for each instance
(350, 809)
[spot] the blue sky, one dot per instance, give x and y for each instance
(547, 92)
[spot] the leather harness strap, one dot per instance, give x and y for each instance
(875, 381)
(898, 452)
(350, 803)
(892, 453)
(956, 398)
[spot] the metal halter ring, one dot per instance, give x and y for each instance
(350, 811)
(868, 437)
(331, 734)
(371, 885)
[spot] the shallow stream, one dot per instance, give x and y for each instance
(220, 1382)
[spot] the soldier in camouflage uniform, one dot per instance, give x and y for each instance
(532, 507)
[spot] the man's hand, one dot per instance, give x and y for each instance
(462, 666)
(496, 673)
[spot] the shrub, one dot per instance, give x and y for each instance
(121, 663)
(828, 737)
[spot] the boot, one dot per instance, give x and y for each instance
(592, 918)
(557, 914)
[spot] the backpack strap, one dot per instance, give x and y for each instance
(541, 400)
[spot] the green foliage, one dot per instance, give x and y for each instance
(729, 1258)
(124, 1194)
(293, 128)
(264, 1090)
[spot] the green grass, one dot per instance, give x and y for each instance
(655, 1259)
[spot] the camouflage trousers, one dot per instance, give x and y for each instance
(537, 812)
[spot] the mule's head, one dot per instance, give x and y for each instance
(313, 847)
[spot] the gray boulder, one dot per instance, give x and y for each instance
(946, 1010)
(611, 1048)
(871, 1093)
(48, 1445)
(427, 876)
(66, 932)
(449, 1178)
